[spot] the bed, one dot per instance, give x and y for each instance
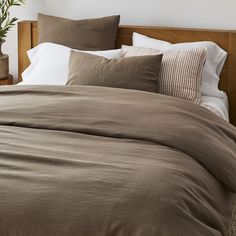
(123, 162)
(28, 38)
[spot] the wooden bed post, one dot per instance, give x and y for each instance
(24, 44)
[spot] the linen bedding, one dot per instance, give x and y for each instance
(232, 226)
(93, 161)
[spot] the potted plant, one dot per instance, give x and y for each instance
(6, 23)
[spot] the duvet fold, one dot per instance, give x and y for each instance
(85, 160)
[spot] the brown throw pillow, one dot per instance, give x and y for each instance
(181, 70)
(140, 73)
(91, 34)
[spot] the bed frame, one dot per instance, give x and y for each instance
(28, 38)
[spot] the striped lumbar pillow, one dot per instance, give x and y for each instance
(181, 70)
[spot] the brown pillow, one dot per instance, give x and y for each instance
(91, 34)
(140, 73)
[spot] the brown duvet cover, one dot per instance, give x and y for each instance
(93, 161)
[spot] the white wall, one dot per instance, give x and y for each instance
(26, 12)
(183, 13)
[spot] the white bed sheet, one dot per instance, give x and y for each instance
(218, 105)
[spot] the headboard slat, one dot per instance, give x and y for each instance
(232, 77)
(28, 38)
(24, 44)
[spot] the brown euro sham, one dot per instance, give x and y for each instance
(181, 70)
(89, 34)
(139, 73)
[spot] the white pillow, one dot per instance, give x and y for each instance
(49, 64)
(215, 59)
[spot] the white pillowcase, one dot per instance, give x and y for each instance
(215, 59)
(50, 62)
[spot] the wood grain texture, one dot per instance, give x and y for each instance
(232, 76)
(34, 29)
(28, 38)
(24, 44)
(7, 81)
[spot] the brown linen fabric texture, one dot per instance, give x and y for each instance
(232, 226)
(181, 70)
(89, 34)
(96, 161)
(140, 73)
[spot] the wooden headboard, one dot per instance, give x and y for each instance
(28, 38)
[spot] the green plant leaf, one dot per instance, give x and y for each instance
(6, 22)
